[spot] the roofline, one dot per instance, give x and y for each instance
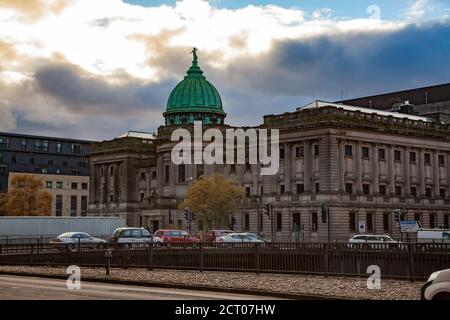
(394, 92)
(23, 135)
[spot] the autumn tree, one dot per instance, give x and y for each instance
(27, 197)
(213, 198)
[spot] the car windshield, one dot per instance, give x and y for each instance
(145, 233)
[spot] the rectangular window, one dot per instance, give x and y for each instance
(317, 187)
(13, 158)
(48, 184)
(427, 158)
(111, 171)
(349, 188)
(432, 221)
(37, 145)
(74, 186)
(65, 162)
(369, 221)
(246, 222)
(181, 173)
(200, 170)
(386, 221)
(44, 145)
(382, 190)
(412, 157)
(50, 162)
(59, 147)
(32, 160)
(44, 170)
(300, 188)
(348, 151)
(366, 189)
(316, 150)
(73, 206)
(446, 221)
(84, 206)
(166, 174)
(352, 221)
(262, 190)
(300, 152)
(4, 143)
(428, 192)
(141, 196)
(59, 185)
(442, 193)
(441, 160)
(154, 175)
(260, 222)
(247, 191)
(279, 222)
(397, 155)
(23, 144)
(398, 190)
(314, 220)
(381, 154)
(84, 186)
(365, 152)
(413, 191)
(282, 189)
(281, 153)
(77, 148)
(58, 205)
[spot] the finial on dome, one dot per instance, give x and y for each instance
(194, 52)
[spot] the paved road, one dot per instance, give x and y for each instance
(29, 288)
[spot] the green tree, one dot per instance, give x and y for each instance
(27, 197)
(212, 198)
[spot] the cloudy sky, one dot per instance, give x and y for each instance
(93, 69)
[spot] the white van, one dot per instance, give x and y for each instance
(433, 236)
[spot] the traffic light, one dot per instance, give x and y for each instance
(231, 221)
(186, 214)
(324, 213)
(267, 209)
(397, 215)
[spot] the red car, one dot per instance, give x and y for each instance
(175, 236)
(214, 234)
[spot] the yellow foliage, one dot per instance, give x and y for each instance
(212, 199)
(27, 197)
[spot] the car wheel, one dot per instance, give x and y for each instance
(442, 296)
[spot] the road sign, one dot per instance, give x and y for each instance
(409, 226)
(362, 227)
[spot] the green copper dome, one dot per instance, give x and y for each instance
(194, 98)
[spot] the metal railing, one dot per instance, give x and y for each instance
(406, 261)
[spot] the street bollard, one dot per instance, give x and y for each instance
(108, 256)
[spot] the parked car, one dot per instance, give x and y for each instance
(437, 286)
(133, 235)
(212, 235)
(176, 236)
(72, 239)
(374, 241)
(241, 237)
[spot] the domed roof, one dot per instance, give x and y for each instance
(194, 94)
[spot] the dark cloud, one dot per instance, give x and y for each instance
(82, 92)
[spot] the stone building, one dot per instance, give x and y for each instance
(359, 162)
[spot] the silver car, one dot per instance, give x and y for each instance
(240, 237)
(437, 286)
(72, 239)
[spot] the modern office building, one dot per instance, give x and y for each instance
(361, 163)
(61, 163)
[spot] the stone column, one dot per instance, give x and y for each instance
(391, 177)
(375, 169)
(287, 168)
(421, 171)
(358, 167)
(341, 166)
(436, 173)
(406, 171)
(307, 168)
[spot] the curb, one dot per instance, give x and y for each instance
(182, 286)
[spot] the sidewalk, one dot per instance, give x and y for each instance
(295, 285)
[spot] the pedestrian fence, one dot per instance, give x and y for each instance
(400, 261)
